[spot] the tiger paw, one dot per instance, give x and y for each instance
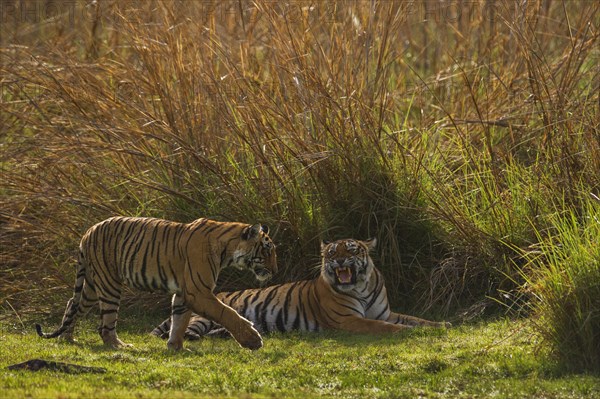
(67, 338)
(116, 343)
(250, 339)
(174, 345)
(120, 344)
(254, 343)
(440, 324)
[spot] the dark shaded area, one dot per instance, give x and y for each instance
(39, 364)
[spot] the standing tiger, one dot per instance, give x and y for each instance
(349, 295)
(159, 255)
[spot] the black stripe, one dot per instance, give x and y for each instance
(177, 232)
(144, 272)
(212, 228)
(311, 290)
(162, 276)
(121, 252)
(223, 256)
(293, 289)
(279, 323)
(104, 300)
(267, 305)
(378, 317)
(379, 284)
(231, 297)
(179, 310)
(226, 230)
(120, 226)
(140, 238)
(193, 231)
(255, 296)
(246, 303)
(173, 274)
(296, 323)
(128, 248)
(199, 277)
(108, 288)
(353, 309)
(214, 269)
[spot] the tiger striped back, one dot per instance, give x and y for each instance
(349, 294)
(159, 255)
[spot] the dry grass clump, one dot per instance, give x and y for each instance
(444, 129)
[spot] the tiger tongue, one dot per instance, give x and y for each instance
(344, 275)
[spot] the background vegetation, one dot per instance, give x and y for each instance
(463, 135)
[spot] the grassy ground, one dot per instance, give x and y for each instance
(492, 359)
(464, 135)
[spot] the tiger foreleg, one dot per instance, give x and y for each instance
(411, 321)
(180, 317)
(240, 328)
(361, 325)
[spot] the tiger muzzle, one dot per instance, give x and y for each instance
(263, 269)
(262, 273)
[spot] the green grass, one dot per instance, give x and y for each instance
(464, 137)
(491, 359)
(563, 282)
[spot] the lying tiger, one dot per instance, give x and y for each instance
(348, 295)
(163, 256)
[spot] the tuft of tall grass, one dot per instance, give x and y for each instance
(562, 278)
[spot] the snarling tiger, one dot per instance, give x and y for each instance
(349, 294)
(159, 255)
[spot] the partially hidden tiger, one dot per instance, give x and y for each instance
(349, 294)
(157, 255)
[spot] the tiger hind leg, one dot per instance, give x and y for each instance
(162, 330)
(87, 300)
(109, 309)
(65, 331)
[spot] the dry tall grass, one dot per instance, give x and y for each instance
(443, 128)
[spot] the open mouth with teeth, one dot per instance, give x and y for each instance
(343, 275)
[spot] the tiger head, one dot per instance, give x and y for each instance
(256, 252)
(346, 263)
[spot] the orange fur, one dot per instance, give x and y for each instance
(160, 255)
(348, 295)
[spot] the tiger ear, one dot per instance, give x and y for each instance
(370, 243)
(324, 243)
(251, 232)
(265, 228)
